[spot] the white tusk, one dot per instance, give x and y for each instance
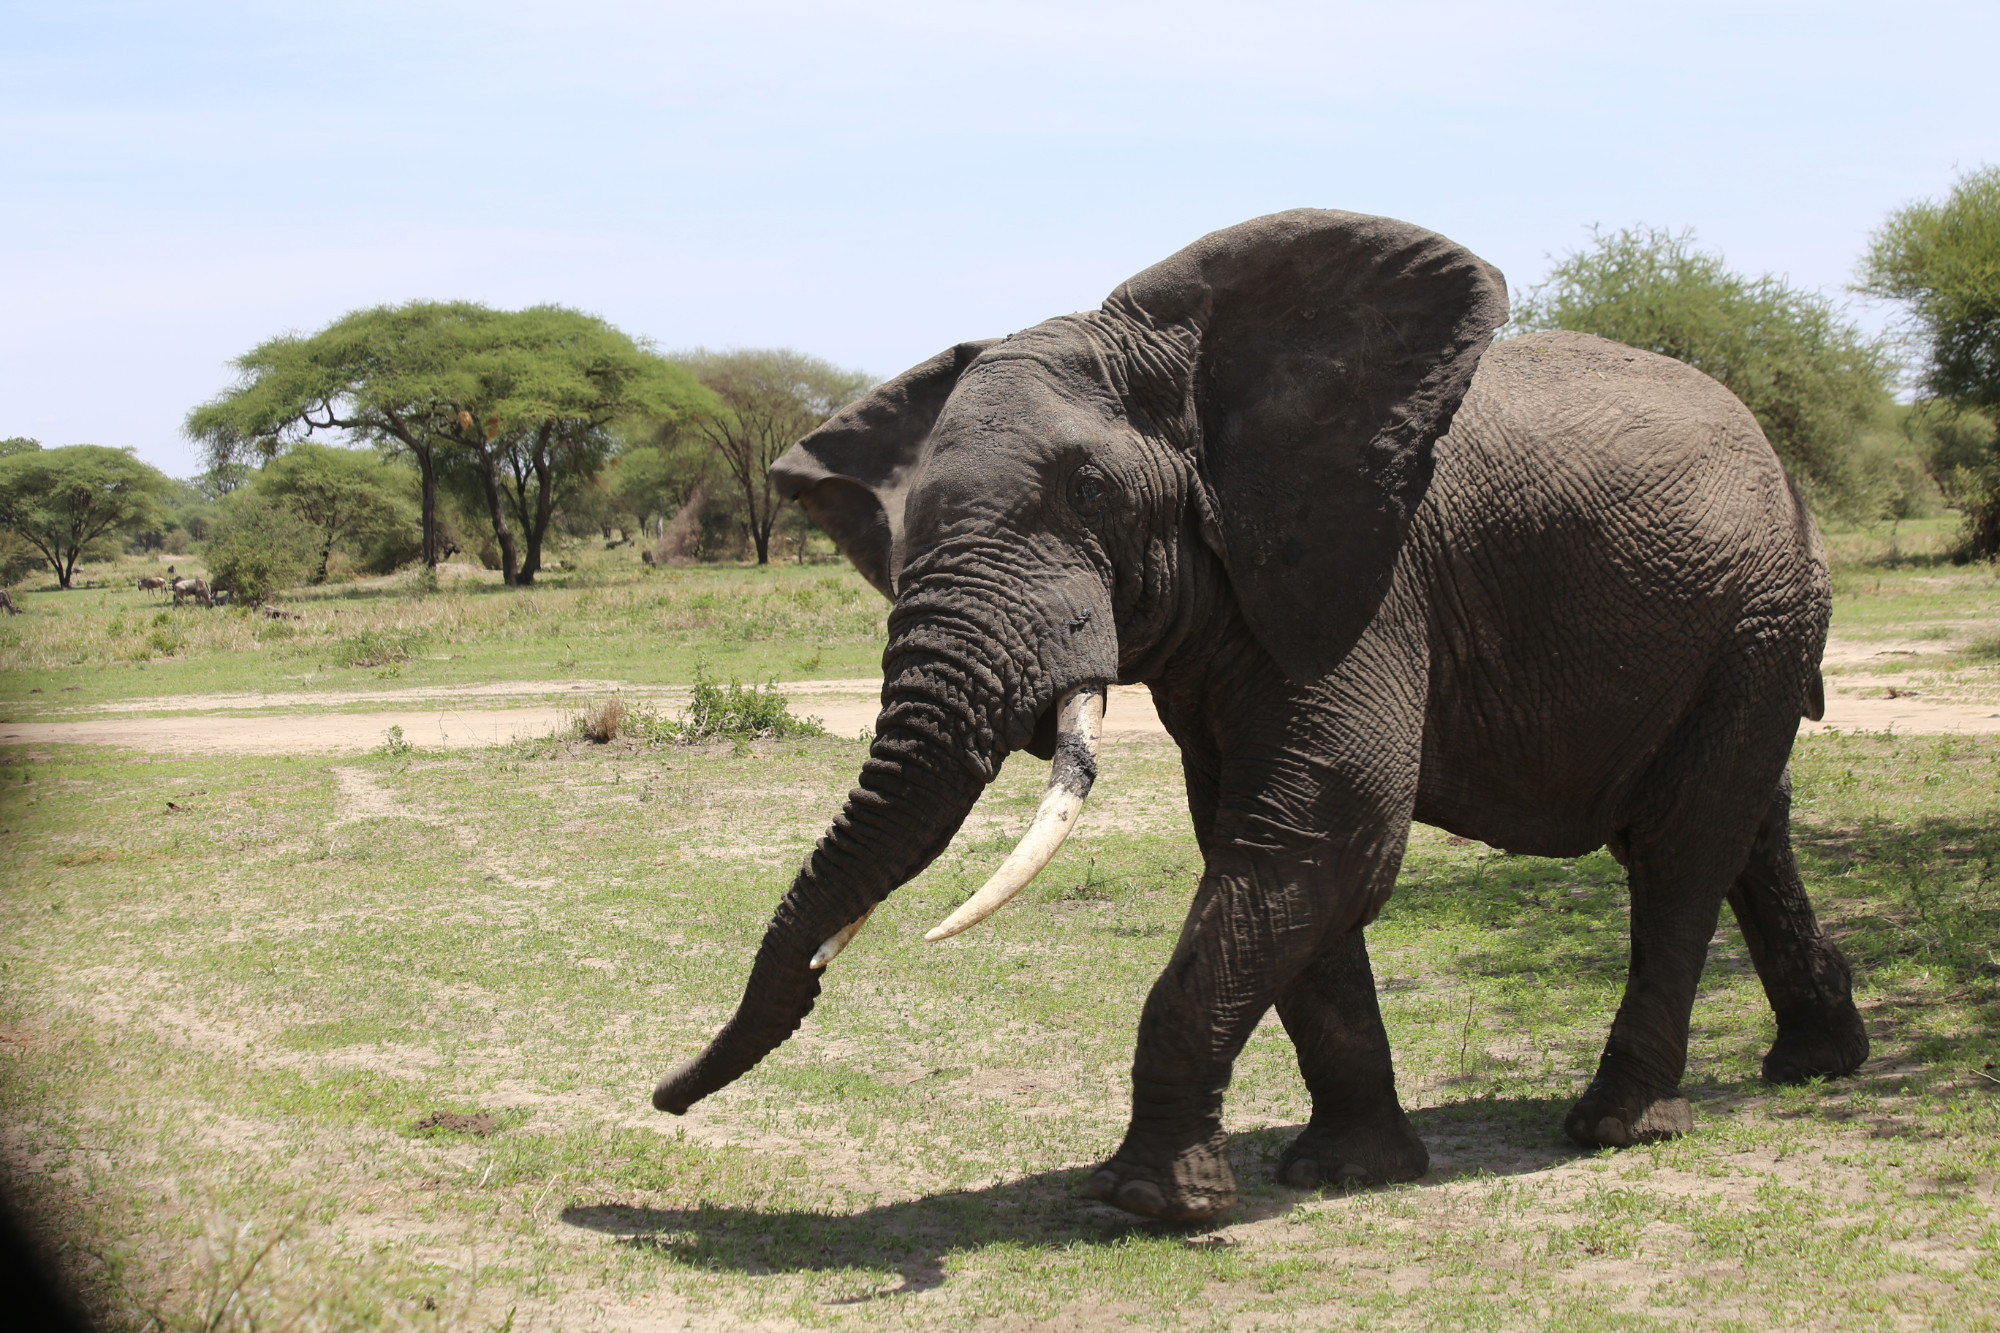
(1079, 725)
(837, 941)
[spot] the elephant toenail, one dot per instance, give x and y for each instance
(1142, 1197)
(1302, 1174)
(1103, 1183)
(1352, 1173)
(1612, 1133)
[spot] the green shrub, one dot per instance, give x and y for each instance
(717, 712)
(731, 712)
(17, 559)
(257, 549)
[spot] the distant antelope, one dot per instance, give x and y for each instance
(152, 583)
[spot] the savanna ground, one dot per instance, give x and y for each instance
(299, 1041)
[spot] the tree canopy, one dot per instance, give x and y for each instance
(769, 398)
(61, 500)
(332, 490)
(1941, 260)
(437, 379)
(1810, 376)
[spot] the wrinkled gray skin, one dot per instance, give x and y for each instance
(1590, 614)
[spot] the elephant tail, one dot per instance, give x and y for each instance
(1816, 697)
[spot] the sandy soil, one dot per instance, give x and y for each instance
(438, 717)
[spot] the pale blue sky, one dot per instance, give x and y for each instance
(871, 182)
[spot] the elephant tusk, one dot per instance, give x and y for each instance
(837, 941)
(1079, 725)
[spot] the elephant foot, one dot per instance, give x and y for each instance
(1379, 1150)
(1606, 1117)
(1191, 1185)
(1828, 1049)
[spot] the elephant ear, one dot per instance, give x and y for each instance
(853, 473)
(1330, 352)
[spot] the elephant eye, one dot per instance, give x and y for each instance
(1089, 493)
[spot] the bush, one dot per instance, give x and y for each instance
(715, 713)
(256, 549)
(732, 712)
(17, 559)
(387, 551)
(1963, 452)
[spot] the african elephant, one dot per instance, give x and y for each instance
(1554, 596)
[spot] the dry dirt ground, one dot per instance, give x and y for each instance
(463, 717)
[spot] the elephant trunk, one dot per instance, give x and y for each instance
(960, 695)
(924, 773)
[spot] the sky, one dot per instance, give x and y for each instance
(874, 182)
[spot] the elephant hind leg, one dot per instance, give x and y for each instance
(1693, 823)
(1635, 1096)
(1358, 1132)
(1820, 1033)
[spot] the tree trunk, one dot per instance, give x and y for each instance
(763, 522)
(325, 554)
(496, 505)
(536, 526)
(427, 471)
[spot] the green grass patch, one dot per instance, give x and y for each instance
(227, 1026)
(367, 1043)
(606, 618)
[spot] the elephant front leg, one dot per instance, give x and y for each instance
(1174, 1163)
(1358, 1133)
(1254, 928)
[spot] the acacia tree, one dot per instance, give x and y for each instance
(61, 500)
(1812, 378)
(545, 386)
(1942, 261)
(335, 491)
(386, 376)
(438, 380)
(769, 398)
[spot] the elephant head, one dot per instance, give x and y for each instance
(1252, 419)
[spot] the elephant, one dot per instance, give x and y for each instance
(1550, 593)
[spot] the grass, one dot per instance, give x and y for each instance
(606, 618)
(224, 1025)
(1901, 584)
(291, 1043)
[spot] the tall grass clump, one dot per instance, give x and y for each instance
(603, 720)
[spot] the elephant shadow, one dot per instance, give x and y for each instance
(1046, 1210)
